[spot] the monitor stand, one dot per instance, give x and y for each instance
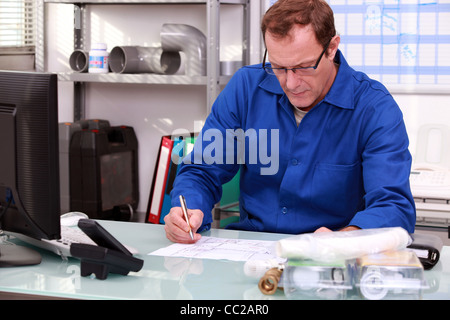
(12, 255)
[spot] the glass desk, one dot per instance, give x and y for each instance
(165, 278)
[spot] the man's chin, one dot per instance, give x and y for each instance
(302, 104)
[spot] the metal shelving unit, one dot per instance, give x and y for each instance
(212, 81)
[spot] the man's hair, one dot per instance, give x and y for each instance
(284, 14)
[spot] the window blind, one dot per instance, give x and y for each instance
(17, 25)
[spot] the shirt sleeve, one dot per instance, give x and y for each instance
(386, 169)
(207, 167)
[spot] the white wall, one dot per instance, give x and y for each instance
(422, 109)
(155, 110)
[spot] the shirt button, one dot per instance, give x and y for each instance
(284, 210)
(294, 162)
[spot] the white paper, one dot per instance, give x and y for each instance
(221, 249)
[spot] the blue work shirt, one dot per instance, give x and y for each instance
(346, 163)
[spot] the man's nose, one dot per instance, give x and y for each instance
(293, 80)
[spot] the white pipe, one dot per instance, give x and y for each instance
(135, 59)
(191, 41)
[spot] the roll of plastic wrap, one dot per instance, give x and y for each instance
(332, 246)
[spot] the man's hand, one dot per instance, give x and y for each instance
(176, 227)
(325, 229)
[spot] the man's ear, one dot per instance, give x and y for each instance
(333, 47)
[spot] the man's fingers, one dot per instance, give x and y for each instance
(176, 227)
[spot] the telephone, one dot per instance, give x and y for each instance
(108, 256)
(430, 182)
(430, 172)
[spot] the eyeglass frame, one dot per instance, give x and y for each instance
(294, 69)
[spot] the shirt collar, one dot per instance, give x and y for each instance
(340, 92)
(271, 84)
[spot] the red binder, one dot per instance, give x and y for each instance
(159, 185)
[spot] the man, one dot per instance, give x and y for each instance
(342, 159)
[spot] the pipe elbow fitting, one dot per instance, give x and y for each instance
(190, 41)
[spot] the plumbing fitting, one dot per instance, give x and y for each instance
(79, 61)
(135, 59)
(190, 41)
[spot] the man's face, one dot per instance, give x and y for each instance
(301, 49)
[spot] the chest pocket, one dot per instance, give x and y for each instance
(337, 189)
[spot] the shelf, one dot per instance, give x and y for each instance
(212, 81)
(144, 1)
(126, 1)
(146, 78)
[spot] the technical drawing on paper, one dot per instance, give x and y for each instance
(219, 248)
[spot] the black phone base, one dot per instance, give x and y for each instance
(101, 261)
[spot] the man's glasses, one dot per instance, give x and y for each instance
(305, 71)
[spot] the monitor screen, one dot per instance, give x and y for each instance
(29, 154)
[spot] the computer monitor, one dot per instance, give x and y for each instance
(29, 161)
